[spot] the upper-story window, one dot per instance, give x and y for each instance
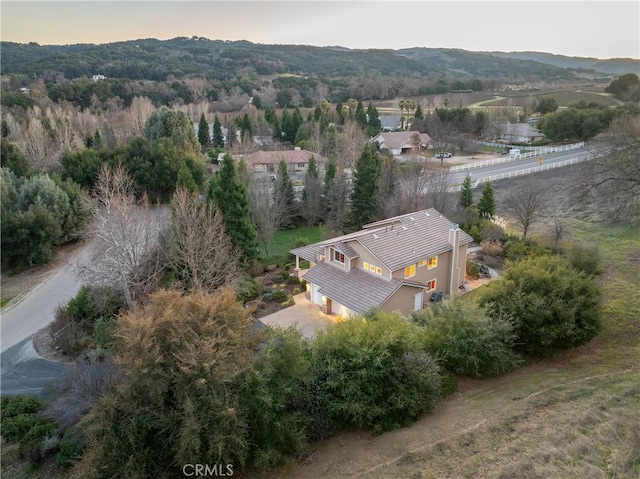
(410, 271)
(422, 263)
(433, 262)
(338, 256)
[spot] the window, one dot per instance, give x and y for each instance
(372, 268)
(431, 285)
(301, 165)
(379, 270)
(365, 265)
(410, 271)
(338, 256)
(433, 262)
(422, 263)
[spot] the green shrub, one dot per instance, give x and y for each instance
(516, 248)
(247, 290)
(587, 260)
(303, 284)
(293, 280)
(16, 427)
(289, 302)
(104, 332)
(280, 295)
(554, 306)
(270, 393)
(15, 405)
(71, 446)
(278, 278)
(375, 374)
(473, 269)
(268, 296)
(299, 242)
(467, 340)
(296, 291)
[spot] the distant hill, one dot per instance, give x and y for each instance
(612, 66)
(155, 60)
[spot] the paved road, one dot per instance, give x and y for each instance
(24, 372)
(36, 310)
(518, 165)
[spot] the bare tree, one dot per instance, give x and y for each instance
(139, 112)
(196, 245)
(439, 195)
(527, 203)
(412, 186)
(126, 255)
(614, 173)
(264, 212)
(351, 141)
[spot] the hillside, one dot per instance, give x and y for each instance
(153, 59)
(612, 66)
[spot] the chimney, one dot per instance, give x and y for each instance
(454, 241)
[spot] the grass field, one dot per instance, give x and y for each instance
(282, 240)
(564, 98)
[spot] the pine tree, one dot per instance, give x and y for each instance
(374, 126)
(466, 193)
(203, 133)
(185, 179)
(365, 184)
(361, 116)
(312, 193)
(418, 114)
(487, 203)
(232, 199)
(284, 198)
(218, 137)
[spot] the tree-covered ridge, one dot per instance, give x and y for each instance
(153, 59)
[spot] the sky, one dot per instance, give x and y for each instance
(601, 29)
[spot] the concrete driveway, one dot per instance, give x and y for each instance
(304, 315)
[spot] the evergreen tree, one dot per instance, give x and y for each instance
(312, 193)
(487, 203)
(374, 125)
(418, 114)
(466, 193)
(218, 138)
(365, 184)
(176, 126)
(246, 126)
(286, 126)
(185, 179)
(296, 123)
(203, 133)
(232, 198)
(361, 116)
(284, 198)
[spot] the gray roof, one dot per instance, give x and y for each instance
(391, 122)
(397, 242)
(356, 289)
(407, 239)
(347, 250)
(400, 139)
(309, 252)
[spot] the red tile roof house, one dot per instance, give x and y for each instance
(267, 161)
(395, 264)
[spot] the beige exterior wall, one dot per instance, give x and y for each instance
(364, 256)
(423, 274)
(402, 300)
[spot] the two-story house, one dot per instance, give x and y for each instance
(395, 264)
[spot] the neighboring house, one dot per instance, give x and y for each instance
(267, 161)
(520, 133)
(390, 123)
(401, 142)
(396, 264)
(98, 77)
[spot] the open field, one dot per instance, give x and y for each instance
(564, 98)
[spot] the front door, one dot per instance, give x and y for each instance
(417, 301)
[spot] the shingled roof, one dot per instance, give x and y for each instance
(407, 239)
(356, 289)
(274, 157)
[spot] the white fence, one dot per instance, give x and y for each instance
(538, 151)
(524, 171)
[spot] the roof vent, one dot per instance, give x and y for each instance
(427, 213)
(375, 236)
(404, 227)
(412, 218)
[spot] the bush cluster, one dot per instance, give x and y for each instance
(23, 424)
(87, 319)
